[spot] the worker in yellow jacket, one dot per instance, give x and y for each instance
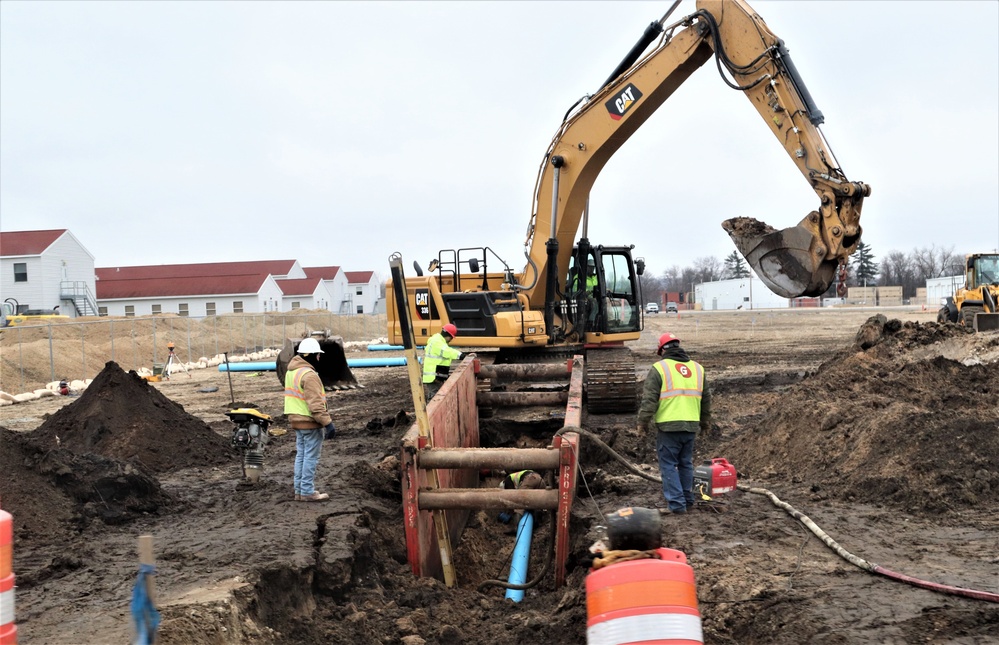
(437, 357)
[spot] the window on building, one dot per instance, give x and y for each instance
(237, 306)
(209, 308)
(130, 310)
(296, 305)
(360, 291)
(20, 272)
(157, 309)
(102, 311)
(360, 309)
(182, 309)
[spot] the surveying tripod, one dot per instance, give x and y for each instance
(173, 361)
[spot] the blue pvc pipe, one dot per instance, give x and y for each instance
(255, 366)
(382, 348)
(271, 366)
(521, 556)
(391, 361)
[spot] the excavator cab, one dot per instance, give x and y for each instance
(602, 294)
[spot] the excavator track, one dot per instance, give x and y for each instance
(610, 383)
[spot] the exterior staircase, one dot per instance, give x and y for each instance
(79, 294)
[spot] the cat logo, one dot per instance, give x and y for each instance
(622, 101)
(425, 309)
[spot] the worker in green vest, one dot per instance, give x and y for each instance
(520, 480)
(308, 415)
(677, 400)
(437, 357)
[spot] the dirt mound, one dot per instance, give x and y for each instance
(56, 492)
(887, 422)
(122, 416)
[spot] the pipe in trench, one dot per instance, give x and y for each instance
(521, 556)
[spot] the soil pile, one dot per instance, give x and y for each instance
(54, 493)
(121, 416)
(891, 420)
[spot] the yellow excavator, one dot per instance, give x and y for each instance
(975, 304)
(576, 296)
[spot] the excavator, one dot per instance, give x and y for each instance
(575, 296)
(975, 304)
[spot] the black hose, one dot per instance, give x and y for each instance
(610, 451)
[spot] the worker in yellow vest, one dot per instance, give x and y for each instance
(437, 357)
(520, 480)
(677, 400)
(308, 415)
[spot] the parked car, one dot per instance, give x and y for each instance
(652, 308)
(671, 308)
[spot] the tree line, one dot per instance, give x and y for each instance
(897, 269)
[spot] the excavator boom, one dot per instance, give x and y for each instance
(800, 260)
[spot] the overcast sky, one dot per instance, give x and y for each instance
(339, 132)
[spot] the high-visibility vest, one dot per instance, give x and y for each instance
(517, 476)
(436, 353)
(680, 394)
(294, 394)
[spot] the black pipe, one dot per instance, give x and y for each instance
(814, 113)
(651, 33)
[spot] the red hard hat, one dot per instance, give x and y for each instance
(450, 329)
(667, 338)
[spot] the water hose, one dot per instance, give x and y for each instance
(822, 535)
(864, 564)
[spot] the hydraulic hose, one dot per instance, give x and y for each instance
(814, 528)
(603, 446)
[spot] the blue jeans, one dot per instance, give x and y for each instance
(308, 448)
(676, 465)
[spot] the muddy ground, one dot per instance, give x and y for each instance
(886, 434)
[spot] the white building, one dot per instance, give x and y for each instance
(46, 269)
(195, 289)
(363, 291)
(739, 293)
(939, 289)
(305, 293)
(336, 284)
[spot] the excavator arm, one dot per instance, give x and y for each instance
(800, 260)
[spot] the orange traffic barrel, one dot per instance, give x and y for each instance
(8, 630)
(650, 601)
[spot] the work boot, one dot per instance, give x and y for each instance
(298, 497)
(314, 497)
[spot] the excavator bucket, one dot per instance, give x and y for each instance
(333, 369)
(785, 260)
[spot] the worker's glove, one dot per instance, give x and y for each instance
(505, 517)
(461, 356)
(330, 431)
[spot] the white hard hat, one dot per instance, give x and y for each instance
(309, 346)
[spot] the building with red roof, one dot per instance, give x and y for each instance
(46, 269)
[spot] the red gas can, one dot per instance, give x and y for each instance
(714, 477)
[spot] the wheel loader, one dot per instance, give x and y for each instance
(975, 304)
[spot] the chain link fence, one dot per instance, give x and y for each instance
(32, 355)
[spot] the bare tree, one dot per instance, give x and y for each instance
(708, 269)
